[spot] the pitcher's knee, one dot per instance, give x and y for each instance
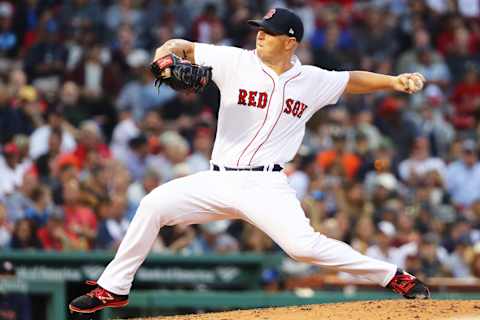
(154, 204)
(301, 253)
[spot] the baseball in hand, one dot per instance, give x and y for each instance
(418, 80)
(411, 85)
(411, 82)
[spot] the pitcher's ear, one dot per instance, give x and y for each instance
(291, 43)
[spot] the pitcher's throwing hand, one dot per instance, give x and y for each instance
(409, 82)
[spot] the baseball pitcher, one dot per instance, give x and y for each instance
(267, 96)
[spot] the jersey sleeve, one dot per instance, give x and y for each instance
(222, 59)
(329, 86)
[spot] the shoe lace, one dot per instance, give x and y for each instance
(402, 283)
(99, 293)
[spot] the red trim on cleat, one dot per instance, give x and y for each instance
(402, 283)
(409, 286)
(115, 304)
(97, 299)
(101, 294)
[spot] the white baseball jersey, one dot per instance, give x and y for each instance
(262, 115)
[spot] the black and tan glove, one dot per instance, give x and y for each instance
(180, 74)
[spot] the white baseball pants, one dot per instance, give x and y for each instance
(262, 198)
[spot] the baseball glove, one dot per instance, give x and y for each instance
(180, 74)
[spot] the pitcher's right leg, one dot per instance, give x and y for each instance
(182, 201)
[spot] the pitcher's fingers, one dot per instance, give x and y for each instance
(418, 74)
(411, 85)
(403, 78)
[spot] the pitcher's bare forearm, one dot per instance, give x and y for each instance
(182, 48)
(366, 82)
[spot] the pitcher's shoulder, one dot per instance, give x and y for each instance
(237, 52)
(312, 68)
(320, 72)
(311, 71)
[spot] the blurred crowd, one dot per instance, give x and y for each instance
(85, 135)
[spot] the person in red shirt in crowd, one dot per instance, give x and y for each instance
(55, 236)
(79, 220)
(90, 139)
(466, 99)
(446, 39)
(202, 26)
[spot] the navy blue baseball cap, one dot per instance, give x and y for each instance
(280, 21)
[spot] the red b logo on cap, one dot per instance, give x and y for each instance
(269, 14)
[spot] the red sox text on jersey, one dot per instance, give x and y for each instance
(259, 100)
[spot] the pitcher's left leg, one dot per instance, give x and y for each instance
(276, 210)
(285, 222)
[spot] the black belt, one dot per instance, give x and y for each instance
(276, 167)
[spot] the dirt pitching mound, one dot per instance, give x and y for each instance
(364, 310)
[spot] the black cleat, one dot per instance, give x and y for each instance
(408, 286)
(97, 299)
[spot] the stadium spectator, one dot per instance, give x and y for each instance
(466, 100)
(80, 220)
(123, 12)
(463, 176)
(9, 42)
(339, 161)
(54, 236)
(79, 14)
(175, 239)
(11, 169)
(41, 208)
(45, 62)
(20, 200)
(138, 189)
(432, 256)
(384, 249)
(199, 159)
(114, 224)
(39, 137)
(24, 236)
(393, 122)
(475, 263)
(21, 113)
(203, 24)
(6, 228)
(305, 170)
(175, 152)
(139, 94)
(90, 140)
(96, 77)
(44, 162)
(363, 234)
(213, 238)
(415, 168)
(136, 159)
(255, 240)
(432, 122)
(125, 130)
